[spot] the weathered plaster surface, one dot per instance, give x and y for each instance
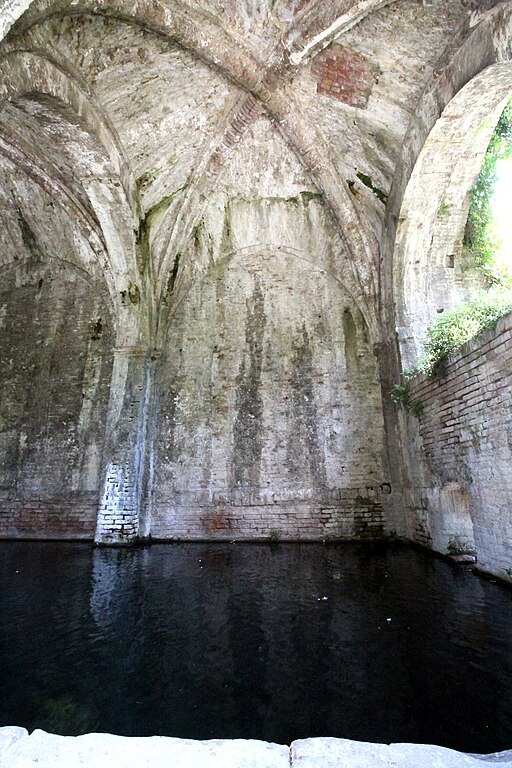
(255, 414)
(224, 185)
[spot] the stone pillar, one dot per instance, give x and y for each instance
(125, 448)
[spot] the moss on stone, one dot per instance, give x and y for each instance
(367, 181)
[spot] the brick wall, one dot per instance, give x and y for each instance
(348, 513)
(462, 451)
(71, 517)
(344, 75)
(56, 352)
(269, 407)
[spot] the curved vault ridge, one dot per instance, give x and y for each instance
(268, 82)
(28, 74)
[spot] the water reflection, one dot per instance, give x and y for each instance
(371, 642)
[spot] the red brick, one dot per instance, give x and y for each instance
(350, 76)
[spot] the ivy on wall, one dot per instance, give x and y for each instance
(456, 326)
(480, 241)
(481, 246)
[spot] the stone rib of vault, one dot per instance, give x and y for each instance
(18, 749)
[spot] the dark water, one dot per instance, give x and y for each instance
(222, 641)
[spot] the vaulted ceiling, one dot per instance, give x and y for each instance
(132, 116)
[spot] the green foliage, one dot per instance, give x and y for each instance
(409, 373)
(481, 247)
(508, 571)
(456, 547)
(417, 408)
(367, 181)
(274, 535)
(444, 209)
(401, 394)
(453, 328)
(480, 242)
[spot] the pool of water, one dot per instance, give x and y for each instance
(374, 642)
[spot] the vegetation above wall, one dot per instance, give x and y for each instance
(482, 244)
(483, 250)
(454, 327)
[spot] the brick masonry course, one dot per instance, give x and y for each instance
(462, 479)
(344, 75)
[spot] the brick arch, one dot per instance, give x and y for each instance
(242, 254)
(195, 31)
(429, 268)
(240, 259)
(200, 34)
(109, 206)
(78, 270)
(285, 251)
(16, 156)
(25, 73)
(481, 43)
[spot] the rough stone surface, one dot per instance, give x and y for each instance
(334, 753)
(19, 750)
(461, 485)
(233, 207)
(96, 750)
(9, 734)
(10, 12)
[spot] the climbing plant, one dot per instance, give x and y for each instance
(480, 240)
(481, 246)
(456, 326)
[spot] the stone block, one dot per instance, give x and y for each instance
(342, 753)
(97, 750)
(10, 734)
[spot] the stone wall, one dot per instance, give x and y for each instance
(56, 351)
(462, 451)
(269, 412)
(225, 181)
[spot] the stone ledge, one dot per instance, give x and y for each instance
(338, 753)
(18, 749)
(98, 750)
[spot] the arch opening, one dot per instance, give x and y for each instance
(432, 271)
